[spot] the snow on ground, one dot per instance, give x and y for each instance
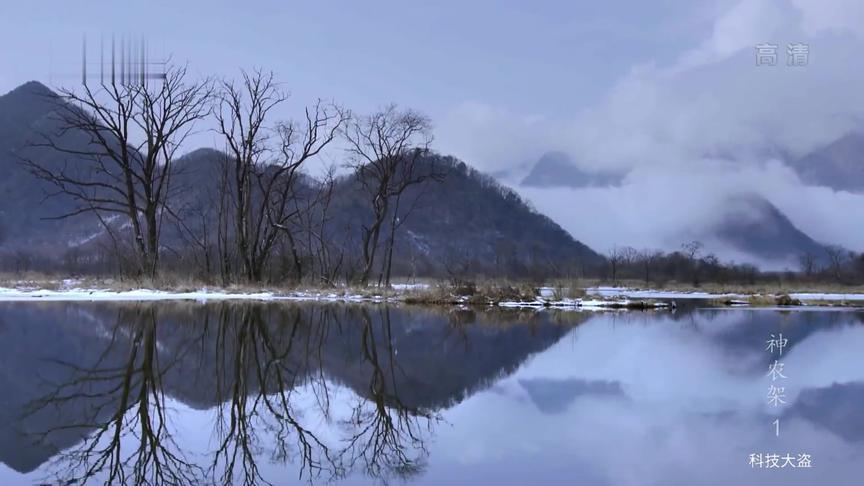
(69, 292)
(600, 297)
(663, 294)
(410, 286)
(79, 294)
(585, 304)
(828, 296)
(654, 294)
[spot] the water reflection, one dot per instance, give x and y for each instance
(555, 396)
(836, 408)
(111, 381)
(119, 402)
(189, 393)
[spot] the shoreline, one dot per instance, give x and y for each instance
(590, 298)
(76, 294)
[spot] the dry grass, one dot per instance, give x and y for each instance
(482, 293)
(495, 288)
(567, 289)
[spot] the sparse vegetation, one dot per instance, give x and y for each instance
(567, 289)
(250, 217)
(565, 292)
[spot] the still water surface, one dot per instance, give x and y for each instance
(189, 393)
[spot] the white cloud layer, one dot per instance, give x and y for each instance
(692, 132)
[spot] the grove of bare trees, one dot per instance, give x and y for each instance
(264, 162)
(692, 266)
(113, 151)
(261, 205)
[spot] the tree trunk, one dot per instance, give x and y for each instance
(390, 244)
(370, 242)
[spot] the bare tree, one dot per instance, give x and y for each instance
(397, 220)
(198, 241)
(385, 149)
(242, 116)
(836, 259)
(629, 255)
(457, 265)
(615, 257)
(131, 133)
(649, 260)
(325, 252)
(223, 226)
(807, 263)
(692, 249)
(264, 172)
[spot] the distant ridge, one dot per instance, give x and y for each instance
(752, 225)
(838, 165)
(556, 169)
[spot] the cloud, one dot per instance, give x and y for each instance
(715, 100)
(697, 129)
(838, 16)
(665, 207)
(494, 138)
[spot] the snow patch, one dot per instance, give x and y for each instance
(81, 294)
(587, 304)
(733, 297)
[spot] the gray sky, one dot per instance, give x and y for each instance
(667, 90)
(544, 59)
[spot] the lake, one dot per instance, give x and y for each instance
(293, 393)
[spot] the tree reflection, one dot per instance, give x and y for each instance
(124, 406)
(256, 376)
(386, 437)
(268, 367)
(269, 357)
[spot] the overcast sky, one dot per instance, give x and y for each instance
(531, 60)
(668, 90)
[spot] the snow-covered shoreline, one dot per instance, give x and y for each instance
(85, 294)
(78, 294)
(623, 292)
(588, 304)
(597, 298)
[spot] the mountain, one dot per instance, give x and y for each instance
(838, 165)
(749, 227)
(22, 109)
(470, 218)
(754, 226)
(27, 113)
(467, 218)
(556, 169)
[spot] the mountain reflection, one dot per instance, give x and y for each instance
(836, 408)
(554, 396)
(97, 390)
